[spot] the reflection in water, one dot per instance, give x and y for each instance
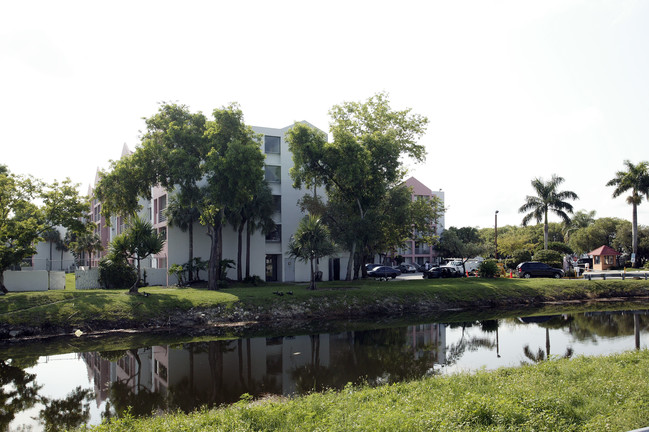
(186, 377)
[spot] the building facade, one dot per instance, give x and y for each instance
(416, 252)
(268, 253)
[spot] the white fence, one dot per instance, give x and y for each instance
(36, 280)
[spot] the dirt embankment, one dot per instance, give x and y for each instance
(285, 317)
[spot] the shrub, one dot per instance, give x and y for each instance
(560, 247)
(550, 257)
(116, 274)
(488, 269)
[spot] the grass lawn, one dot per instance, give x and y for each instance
(71, 306)
(580, 394)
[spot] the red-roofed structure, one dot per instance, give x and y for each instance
(604, 257)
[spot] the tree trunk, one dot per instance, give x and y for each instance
(312, 285)
(214, 267)
(3, 288)
(248, 251)
(190, 231)
(135, 287)
(350, 262)
(239, 251)
(634, 236)
(545, 232)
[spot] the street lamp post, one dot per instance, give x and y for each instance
(496, 233)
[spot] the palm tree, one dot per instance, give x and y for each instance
(548, 199)
(636, 180)
(87, 241)
(581, 219)
(255, 215)
(142, 240)
(310, 242)
(183, 213)
(52, 236)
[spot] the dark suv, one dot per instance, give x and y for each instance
(537, 269)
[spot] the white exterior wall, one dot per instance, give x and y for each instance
(36, 280)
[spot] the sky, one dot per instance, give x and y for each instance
(513, 90)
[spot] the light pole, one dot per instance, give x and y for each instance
(496, 233)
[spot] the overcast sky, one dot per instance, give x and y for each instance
(513, 89)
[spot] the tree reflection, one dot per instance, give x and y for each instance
(68, 413)
(18, 390)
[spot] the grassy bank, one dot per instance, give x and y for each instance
(76, 308)
(581, 394)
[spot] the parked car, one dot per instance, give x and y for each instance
(407, 268)
(441, 272)
(369, 267)
(383, 272)
(537, 269)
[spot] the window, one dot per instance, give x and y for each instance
(162, 206)
(609, 260)
(273, 173)
(163, 232)
(275, 236)
(597, 259)
(277, 205)
(272, 144)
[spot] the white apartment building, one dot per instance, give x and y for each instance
(268, 253)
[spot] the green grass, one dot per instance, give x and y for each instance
(581, 394)
(71, 307)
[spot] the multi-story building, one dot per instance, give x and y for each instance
(417, 252)
(268, 253)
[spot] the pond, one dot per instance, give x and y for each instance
(85, 388)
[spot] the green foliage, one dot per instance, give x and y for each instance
(519, 256)
(548, 199)
(178, 271)
(462, 242)
(360, 168)
(594, 394)
(636, 180)
(550, 257)
(488, 269)
(29, 209)
(116, 274)
(138, 242)
(310, 242)
(560, 247)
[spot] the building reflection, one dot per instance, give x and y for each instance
(219, 372)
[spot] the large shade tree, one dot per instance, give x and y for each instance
(171, 153)
(634, 179)
(548, 199)
(362, 163)
(234, 168)
(28, 209)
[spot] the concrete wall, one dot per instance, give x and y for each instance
(36, 280)
(87, 279)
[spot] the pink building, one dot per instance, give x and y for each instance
(416, 252)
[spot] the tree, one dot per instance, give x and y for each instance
(461, 243)
(30, 208)
(362, 163)
(138, 242)
(604, 231)
(86, 241)
(548, 199)
(234, 168)
(183, 212)
(310, 242)
(253, 215)
(580, 219)
(636, 180)
(51, 236)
